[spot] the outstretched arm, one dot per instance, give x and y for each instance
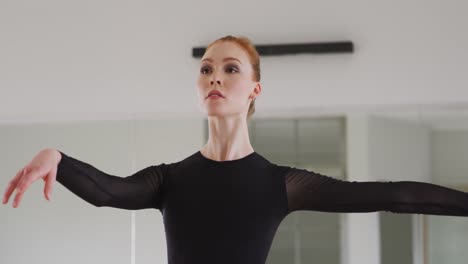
(307, 190)
(138, 191)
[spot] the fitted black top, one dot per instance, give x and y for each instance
(228, 211)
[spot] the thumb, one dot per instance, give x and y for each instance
(49, 182)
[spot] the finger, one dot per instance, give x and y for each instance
(29, 175)
(19, 192)
(9, 189)
(49, 182)
(19, 186)
(12, 185)
(18, 198)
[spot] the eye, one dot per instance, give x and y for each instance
(232, 69)
(204, 70)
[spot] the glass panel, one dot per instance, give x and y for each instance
(275, 139)
(67, 229)
(448, 235)
(282, 248)
(313, 144)
(321, 142)
(396, 238)
(443, 237)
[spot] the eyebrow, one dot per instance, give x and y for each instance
(225, 59)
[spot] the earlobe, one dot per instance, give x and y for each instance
(258, 88)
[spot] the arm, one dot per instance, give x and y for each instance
(138, 191)
(307, 190)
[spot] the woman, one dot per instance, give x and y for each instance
(223, 204)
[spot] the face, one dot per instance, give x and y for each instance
(226, 67)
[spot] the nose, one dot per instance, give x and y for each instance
(217, 81)
(215, 77)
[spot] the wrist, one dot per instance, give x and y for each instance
(56, 153)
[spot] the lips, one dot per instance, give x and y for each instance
(215, 92)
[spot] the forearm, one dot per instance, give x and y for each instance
(308, 190)
(426, 198)
(138, 191)
(82, 179)
(397, 197)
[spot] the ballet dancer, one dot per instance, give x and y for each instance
(224, 203)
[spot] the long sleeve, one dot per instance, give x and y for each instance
(138, 191)
(307, 190)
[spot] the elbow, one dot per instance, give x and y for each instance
(408, 192)
(100, 202)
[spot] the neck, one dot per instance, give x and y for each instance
(228, 138)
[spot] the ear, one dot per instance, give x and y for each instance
(257, 90)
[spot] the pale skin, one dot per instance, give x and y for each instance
(42, 166)
(225, 67)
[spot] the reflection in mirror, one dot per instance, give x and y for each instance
(415, 238)
(315, 144)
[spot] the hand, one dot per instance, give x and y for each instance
(42, 166)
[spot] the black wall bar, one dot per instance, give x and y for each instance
(288, 49)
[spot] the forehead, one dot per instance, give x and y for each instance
(224, 49)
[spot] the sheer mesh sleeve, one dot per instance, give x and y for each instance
(307, 190)
(138, 191)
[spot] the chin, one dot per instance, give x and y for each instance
(215, 111)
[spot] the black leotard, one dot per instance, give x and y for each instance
(228, 211)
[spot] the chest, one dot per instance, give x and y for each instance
(224, 192)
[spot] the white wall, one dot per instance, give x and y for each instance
(360, 230)
(106, 59)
